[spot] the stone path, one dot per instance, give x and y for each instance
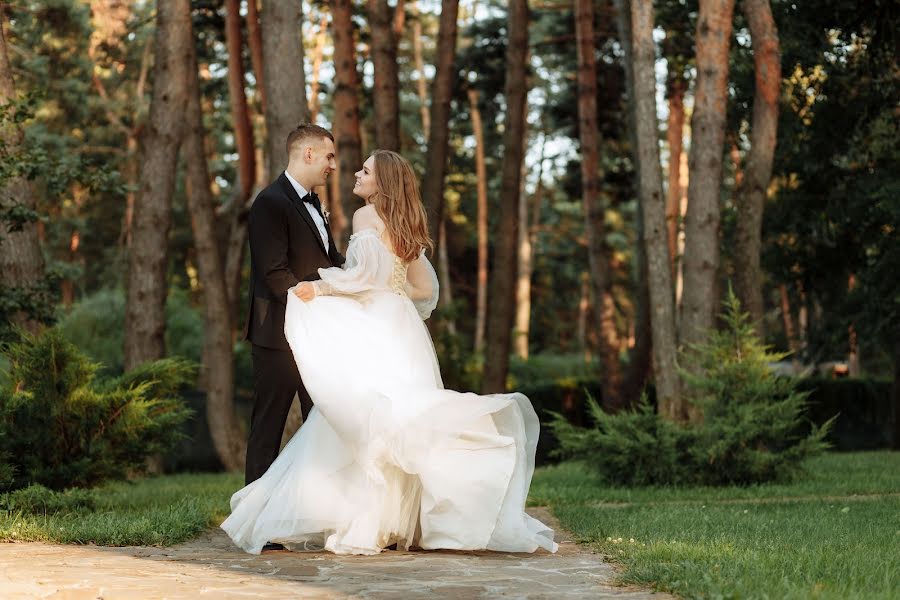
(210, 566)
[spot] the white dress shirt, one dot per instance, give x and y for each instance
(316, 217)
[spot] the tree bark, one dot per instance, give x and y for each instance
(527, 212)
(284, 79)
(502, 308)
(639, 363)
(145, 323)
(420, 71)
(247, 167)
(218, 358)
(240, 115)
(652, 201)
(482, 222)
(438, 134)
(676, 88)
(751, 195)
(254, 40)
(21, 259)
(386, 95)
(346, 107)
(701, 252)
(594, 213)
(443, 268)
(443, 256)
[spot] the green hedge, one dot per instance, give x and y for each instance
(865, 415)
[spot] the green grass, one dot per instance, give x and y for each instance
(157, 511)
(833, 534)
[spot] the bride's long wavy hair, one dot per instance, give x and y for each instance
(399, 205)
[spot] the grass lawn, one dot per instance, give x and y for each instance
(833, 534)
(157, 511)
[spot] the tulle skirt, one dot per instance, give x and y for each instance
(387, 455)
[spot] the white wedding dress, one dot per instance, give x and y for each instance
(387, 455)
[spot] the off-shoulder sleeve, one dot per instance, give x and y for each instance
(360, 271)
(422, 286)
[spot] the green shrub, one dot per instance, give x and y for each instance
(753, 428)
(541, 369)
(37, 499)
(61, 428)
(95, 324)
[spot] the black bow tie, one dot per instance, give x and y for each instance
(313, 199)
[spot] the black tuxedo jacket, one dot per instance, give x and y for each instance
(285, 248)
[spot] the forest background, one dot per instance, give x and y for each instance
(597, 175)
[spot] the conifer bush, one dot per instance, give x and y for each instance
(754, 427)
(61, 428)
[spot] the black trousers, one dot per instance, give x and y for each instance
(275, 381)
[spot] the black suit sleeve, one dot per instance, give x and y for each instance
(268, 232)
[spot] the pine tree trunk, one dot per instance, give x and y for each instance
(386, 94)
(145, 323)
(420, 70)
(639, 361)
(438, 135)
(529, 213)
(21, 259)
(523, 281)
(240, 115)
(482, 222)
(751, 195)
(501, 310)
(247, 167)
(254, 40)
(652, 200)
(284, 78)
(346, 108)
(594, 213)
(701, 252)
(446, 288)
(675, 139)
(218, 358)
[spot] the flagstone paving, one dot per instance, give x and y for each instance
(210, 566)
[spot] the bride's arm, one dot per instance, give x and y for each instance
(358, 272)
(422, 286)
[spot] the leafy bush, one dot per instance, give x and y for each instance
(37, 499)
(96, 325)
(61, 428)
(753, 429)
(543, 368)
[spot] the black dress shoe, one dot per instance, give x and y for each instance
(391, 547)
(270, 547)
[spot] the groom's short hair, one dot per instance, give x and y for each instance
(305, 131)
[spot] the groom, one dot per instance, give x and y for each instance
(289, 241)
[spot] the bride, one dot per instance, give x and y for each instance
(387, 455)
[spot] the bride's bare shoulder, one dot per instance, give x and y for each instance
(367, 218)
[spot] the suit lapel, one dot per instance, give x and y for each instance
(297, 203)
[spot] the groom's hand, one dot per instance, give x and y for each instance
(305, 291)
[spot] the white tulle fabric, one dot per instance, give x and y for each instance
(387, 455)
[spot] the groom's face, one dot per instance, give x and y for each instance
(320, 161)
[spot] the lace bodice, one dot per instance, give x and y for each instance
(372, 268)
(398, 276)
